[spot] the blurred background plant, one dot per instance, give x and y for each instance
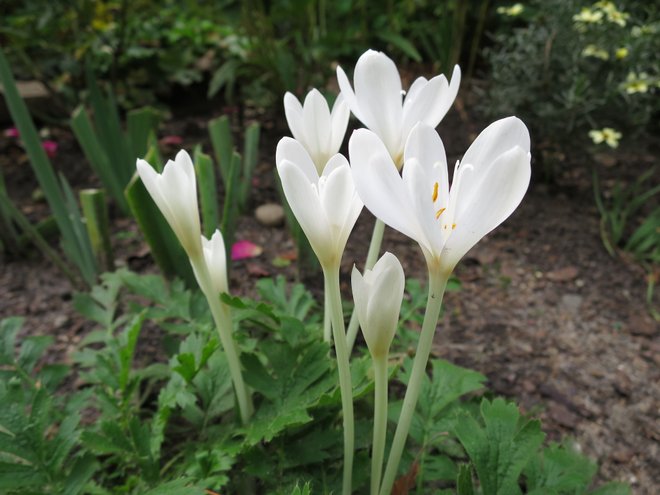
(584, 76)
(251, 50)
(568, 67)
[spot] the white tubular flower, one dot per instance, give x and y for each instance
(326, 207)
(319, 130)
(215, 258)
(175, 193)
(379, 104)
(377, 297)
(487, 186)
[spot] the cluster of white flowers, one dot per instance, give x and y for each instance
(397, 168)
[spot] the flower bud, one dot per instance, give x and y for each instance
(377, 297)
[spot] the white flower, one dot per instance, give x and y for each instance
(320, 131)
(326, 207)
(377, 297)
(487, 186)
(215, 258)
(175, 193)
(378, 100)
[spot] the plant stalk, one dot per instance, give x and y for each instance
(331, 277)
(327, 322)
(222, 318)
(380, 421)
(372, 257)
(437, 284)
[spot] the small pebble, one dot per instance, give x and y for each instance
(270, 215)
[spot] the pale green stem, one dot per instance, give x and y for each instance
(380, 421)
(372, 257)
(437, 284)
(222, 318)
(327, 323)
(331, 275)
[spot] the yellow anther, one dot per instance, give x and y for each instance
(439, 212)
(435, 193)
(453, 226)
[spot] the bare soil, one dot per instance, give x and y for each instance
(544, 312)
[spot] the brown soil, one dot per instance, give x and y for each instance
(544, 312)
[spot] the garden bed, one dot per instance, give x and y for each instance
(543, 311)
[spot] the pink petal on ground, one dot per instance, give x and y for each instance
(172, 140)
(12, 132)
(245, 249)
(50, 147)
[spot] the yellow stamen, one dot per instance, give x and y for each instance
(435, 193)
(453, 226)
(439, 212)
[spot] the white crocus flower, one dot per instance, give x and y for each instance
(175, 193)
(378, 100)
(319, 130)
(326, 206)
(487, 186)
(377, 297)
(215, 258)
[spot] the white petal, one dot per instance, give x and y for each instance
(339, 117)
(360, 296)
(294, 117)
(337, 196)
(420, 188)
(316, 117)
(216, 261)
(293, 151)
(431, 102)
(348, 94)
(378, 89)
(498, 194)
(305, 204)
(378, 182)
(385, 295)
(498, 137)
(416, 86)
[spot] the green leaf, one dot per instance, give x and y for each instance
(207, 192)
(182, 486)
(293, 383)
(501, 448)
(81, 472)
(464, 480)
(558, 469)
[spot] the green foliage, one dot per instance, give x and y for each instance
(565, 76)
(110, 151)
(235, 171)
(143, 47)
(75, 241)
(500, 448)
(39, 433)
(624, 205)
(162, 419)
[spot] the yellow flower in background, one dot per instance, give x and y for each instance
(588, 16)
(617, 17)
(636, 83)
(621, 53)
(512, 11)
(596, 52)
(605, 135)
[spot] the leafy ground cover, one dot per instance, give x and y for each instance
(543, 311)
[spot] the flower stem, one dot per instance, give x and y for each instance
(372, 257)
(437, 284)
(327, 323)
(380, 421)
(222, 318)
(331, 276)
